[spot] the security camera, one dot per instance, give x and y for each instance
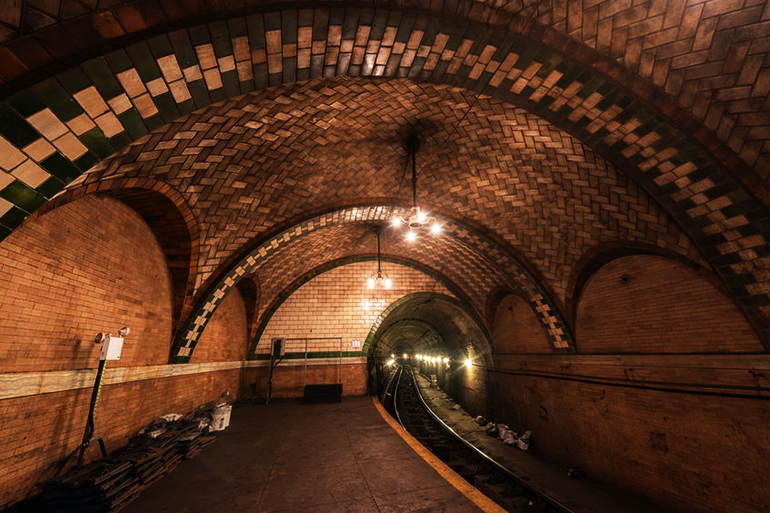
(99, 338)
(123, 332)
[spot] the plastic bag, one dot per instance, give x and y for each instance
(523, 441)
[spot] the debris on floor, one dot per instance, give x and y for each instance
(110, 483)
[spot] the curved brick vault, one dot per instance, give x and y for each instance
(253, 162)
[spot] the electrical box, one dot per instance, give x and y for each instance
(111, 348)
(279, 347)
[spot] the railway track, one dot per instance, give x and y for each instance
(403, 399)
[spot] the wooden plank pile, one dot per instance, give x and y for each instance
(108, 484)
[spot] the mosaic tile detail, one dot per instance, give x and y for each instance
(548, 313)
(143, 92)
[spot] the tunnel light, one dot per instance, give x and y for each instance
(404, 355)
(391, 361)
(446, 360)
(468, 363)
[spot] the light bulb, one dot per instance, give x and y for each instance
(421, 216)
(395, 222)
(388, 283)
(435, 229)
(446, 360)
(370, 283)
(411, 236)
(469, 363)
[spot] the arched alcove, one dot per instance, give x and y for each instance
(647, 303)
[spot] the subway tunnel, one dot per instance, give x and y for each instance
(216, 175)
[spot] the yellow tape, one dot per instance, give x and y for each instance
(473, 494)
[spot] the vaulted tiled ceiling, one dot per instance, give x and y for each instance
(499, 102)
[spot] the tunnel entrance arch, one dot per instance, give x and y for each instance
(434, 325)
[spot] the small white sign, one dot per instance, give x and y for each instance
(356, 344)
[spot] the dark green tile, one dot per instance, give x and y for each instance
(160, 46)
(144, 62)
(4, 232)
(133, 123)
(15, 128)
(199, 35)
(26, 103)
(230, 82)
(220, 39)
(61, 167)
(350, 24)
(73, 80)
(154, 122)
(237, 27)
(86, 162)
(102, 78)
(167, 106)
(199, 93)
(185, 54)
(118, 61)
(273, 21)
(256, 26)
(289, 26)
(120, 141)
(188, 106)
(23, 196)
(60, 101)
(50, 187)
(13, 218)
(95, 141)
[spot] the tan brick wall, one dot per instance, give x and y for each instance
(516, 328)
(225, 336)
(38, 431)
(689, 453)
(665, 307)
(88, 267)
(338, 303)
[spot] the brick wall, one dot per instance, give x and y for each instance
(224, 338)
(650, 304)
(40, 430)
(683, 425)
(90, 266)
(687, 452)
(517, 329)
(338, 303)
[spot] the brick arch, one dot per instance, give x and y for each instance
(602, 254)
(469, 312)
(296, 284)
(169, 217)
(62, 126)
(550, 316)
(652, 304)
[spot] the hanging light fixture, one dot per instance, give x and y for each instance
(379, 279)
(415, 219)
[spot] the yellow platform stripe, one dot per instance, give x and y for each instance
(473, 494)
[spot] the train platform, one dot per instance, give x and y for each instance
(584, 495)
(310, 458)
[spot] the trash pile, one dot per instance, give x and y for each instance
(110, 483)
(504, 433)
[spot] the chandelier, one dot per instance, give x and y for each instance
(379, 279)
(415, 219)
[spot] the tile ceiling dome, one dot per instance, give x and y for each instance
(628, 142)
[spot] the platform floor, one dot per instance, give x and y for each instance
(309, 458)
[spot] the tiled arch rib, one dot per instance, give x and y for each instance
(548, 314)
(54, 131)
